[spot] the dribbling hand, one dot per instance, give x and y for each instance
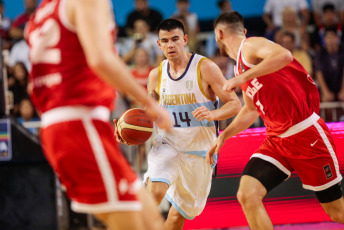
(214, 149)
(116, 134)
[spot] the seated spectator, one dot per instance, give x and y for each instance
(4, 27)
(142, 38)
(291, 23)
(19, 88)
(20, 53)
(329, 69)
(273, 14)
(17, 28)
(211, 45)
(318, 6)
(288, 42)
(191, 19)
(27, 113)
(142, 11)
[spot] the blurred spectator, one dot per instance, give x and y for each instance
(27, 113)
(142, 11)
(4, 27)
(17, 28)
(273, 13)
(225, 64)
(291, 23)
(288, 41)
(142, 38)
(211, 45)
(192, 45)
(20, 53)
(329, 68)
(318, 5)
(19, 88)
(141, 67)
(190, 18)
(329, 20)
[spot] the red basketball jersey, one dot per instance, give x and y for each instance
(60, 74)
(283, 98)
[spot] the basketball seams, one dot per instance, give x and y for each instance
(133, 126)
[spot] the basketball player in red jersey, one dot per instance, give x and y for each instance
(74, 70)
(277, 88)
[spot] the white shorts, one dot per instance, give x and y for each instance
(188, 176)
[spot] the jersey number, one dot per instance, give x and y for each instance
(43, 40)
(182, 119)
(261, 107)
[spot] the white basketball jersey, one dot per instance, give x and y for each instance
(180, 97)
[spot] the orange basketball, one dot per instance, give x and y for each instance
(134, 126)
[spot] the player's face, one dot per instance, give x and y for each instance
(172, 43)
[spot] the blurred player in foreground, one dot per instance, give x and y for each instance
(186, 84)
(74, 70)
(277, 88)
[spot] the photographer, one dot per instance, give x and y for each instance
(142, 38)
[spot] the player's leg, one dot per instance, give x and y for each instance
(332, 201)
(163, 168)
(259, 177)
(175, 221)
(122, 220)
(149, 218)
(157, 189)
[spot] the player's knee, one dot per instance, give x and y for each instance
(175, 217)
(250, 197)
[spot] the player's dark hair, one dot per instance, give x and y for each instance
(232, 19)
(171, 24)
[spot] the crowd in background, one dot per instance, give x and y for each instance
(313, 33)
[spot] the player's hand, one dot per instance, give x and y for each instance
(202, 113)
(116, 134)
(233, 83)
(214, 149)
(160, 116)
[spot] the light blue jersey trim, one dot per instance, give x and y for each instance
(197, 153)
(160, 180)
(177, 208)
(178, 113)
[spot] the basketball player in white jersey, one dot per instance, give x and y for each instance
(74, 71)
(187, 85)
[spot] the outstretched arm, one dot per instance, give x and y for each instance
(94, 35)
(247, 115)
(213, 78)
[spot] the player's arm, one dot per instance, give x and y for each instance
(153, 83)
(213, 77)
(93, 33)
(268, 57)
(245, 118)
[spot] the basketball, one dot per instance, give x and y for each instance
(134, 126)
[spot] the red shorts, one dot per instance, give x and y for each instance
(307, 148)
(80, 146)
